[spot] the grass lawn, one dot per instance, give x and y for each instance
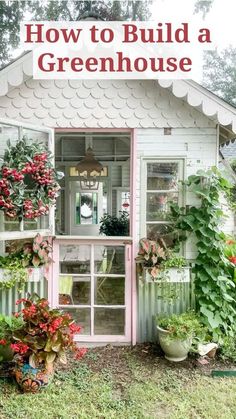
(125, 383)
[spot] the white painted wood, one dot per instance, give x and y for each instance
(99, 105)
(197, 147)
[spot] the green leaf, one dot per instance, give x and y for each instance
(48, 346)
(56, 346)
(62, 357)
(50, 357)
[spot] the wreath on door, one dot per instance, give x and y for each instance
(28, 182)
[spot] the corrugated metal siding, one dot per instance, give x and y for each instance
(153, 299)
(9, 297)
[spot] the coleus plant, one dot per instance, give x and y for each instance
(46, 334)
(28, 182)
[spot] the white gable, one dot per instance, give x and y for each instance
(99, 104)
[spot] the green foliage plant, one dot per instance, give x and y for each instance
(214, 287)
(182, 326)
(13, 273)
(111, 225)
(8, 325)
(17, 264)
(228, 348)
(174, 261)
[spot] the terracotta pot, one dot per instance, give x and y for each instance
(30, 379)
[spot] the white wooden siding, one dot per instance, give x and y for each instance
(198, 148)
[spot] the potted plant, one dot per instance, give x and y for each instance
(25, 263)
(157, 263)
(111, 225)
(44, 338)
(150, 256)
(8, 325)
(175, 269)
(176, 334)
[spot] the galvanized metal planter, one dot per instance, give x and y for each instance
(163, 297)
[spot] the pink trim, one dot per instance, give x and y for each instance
(55, 277)
(133, 174)
(126, 338)
(101, 339)
(131, 250)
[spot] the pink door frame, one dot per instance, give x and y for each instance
(133, 165)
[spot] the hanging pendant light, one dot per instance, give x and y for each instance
(89, 168)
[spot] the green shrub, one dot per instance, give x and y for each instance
(228, 348)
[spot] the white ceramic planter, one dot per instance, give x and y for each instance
(168, 275)
(34, 274)
(175, 350)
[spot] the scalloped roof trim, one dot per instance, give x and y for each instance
(197, 96)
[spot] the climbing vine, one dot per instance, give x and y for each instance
(214, 287)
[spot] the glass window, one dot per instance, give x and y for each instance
(82, 316)
(162, 190)
(14, 133)
(86, 208)
(74, 290)
(33, 135)
(109, 321)
(7, 132)
(109, 259)
(109, 291)
(162, 176)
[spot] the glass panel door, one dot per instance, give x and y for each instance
(93, 286)
(85, 210)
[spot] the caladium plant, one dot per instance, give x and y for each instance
(37, 253)
(151, 254)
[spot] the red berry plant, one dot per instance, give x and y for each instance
(46, 336)
(28, 182)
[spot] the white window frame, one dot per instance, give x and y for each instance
(143, 191)
(14, 235)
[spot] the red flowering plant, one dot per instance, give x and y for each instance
(230, 254)
(28, 182)
(46, 336)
